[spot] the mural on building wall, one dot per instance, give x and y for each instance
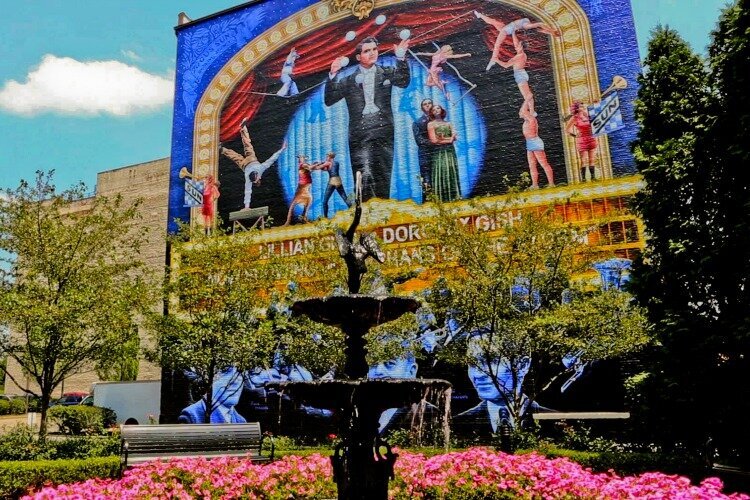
(279, 103)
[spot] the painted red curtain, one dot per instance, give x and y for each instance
(318, 49)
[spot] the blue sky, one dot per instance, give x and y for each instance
(121, 48)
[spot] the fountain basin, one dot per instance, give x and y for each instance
(376, 395)
(364, 310)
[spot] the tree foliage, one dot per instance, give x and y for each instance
(72, 283)
(217, 295)
(522, 289)
(693, 152)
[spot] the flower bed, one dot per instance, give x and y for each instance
(475, 473)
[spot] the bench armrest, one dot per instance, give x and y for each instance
(273, 444)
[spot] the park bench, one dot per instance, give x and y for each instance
(582, 415)
(142, 443)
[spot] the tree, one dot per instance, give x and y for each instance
(72, 284)
(729, 144)
(218, 294)
(520, 296)
(693, 277)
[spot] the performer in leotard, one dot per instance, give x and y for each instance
(440, 57)
(303, 195)
(518, 63)
(288, 87)
(210, 195)
(331, 165)
(506, 30)
(535, 147)
(579, 126)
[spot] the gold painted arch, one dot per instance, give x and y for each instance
(572, 54)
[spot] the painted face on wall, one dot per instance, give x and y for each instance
(256, 379)
(297, 373)
(483, 375)
(368, 56)
(394, 368)
(228, 387)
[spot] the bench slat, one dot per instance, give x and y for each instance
(142, 443)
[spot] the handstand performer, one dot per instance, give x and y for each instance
(506, 30)
(249, 163)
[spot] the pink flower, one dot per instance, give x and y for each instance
(476, 472)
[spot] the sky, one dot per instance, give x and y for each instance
(124, 51)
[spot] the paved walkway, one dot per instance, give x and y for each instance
(8, 422)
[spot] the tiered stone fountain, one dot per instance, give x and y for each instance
(363, 462)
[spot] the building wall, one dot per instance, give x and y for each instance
(150, 182)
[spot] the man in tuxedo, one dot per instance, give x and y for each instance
(367, 93)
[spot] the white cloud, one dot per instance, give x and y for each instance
(65, 85)
(131, 55)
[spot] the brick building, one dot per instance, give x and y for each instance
(150, 182)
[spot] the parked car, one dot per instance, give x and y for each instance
(70, 398)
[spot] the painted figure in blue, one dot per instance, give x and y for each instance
(226, 392)
(400, 418)
(288, 86)
(424, 147)
(367, 93)
(331, 165)
(498, 382)
(256, 380)
(614, 273)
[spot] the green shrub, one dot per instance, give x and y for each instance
(17, 478)
(17, 406)
(582, 439)
(21, 443)
(4, 406)
(35, 404)
(81, 447)
(77, 419)
(630, 463)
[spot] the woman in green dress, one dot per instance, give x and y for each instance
(445, 183)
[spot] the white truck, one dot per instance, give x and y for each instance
(139, 400)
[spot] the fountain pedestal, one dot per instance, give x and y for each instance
(363, 462)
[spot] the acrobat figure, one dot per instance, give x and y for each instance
(288, 87)
(534, 147)
(579, 126)
(331, 165)
(303, 195)
(506, 30)
(249, 163)
(210, 195)
(518, 63)
(440, 57)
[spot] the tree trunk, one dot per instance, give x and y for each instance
(46, 396)
(209, 398)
